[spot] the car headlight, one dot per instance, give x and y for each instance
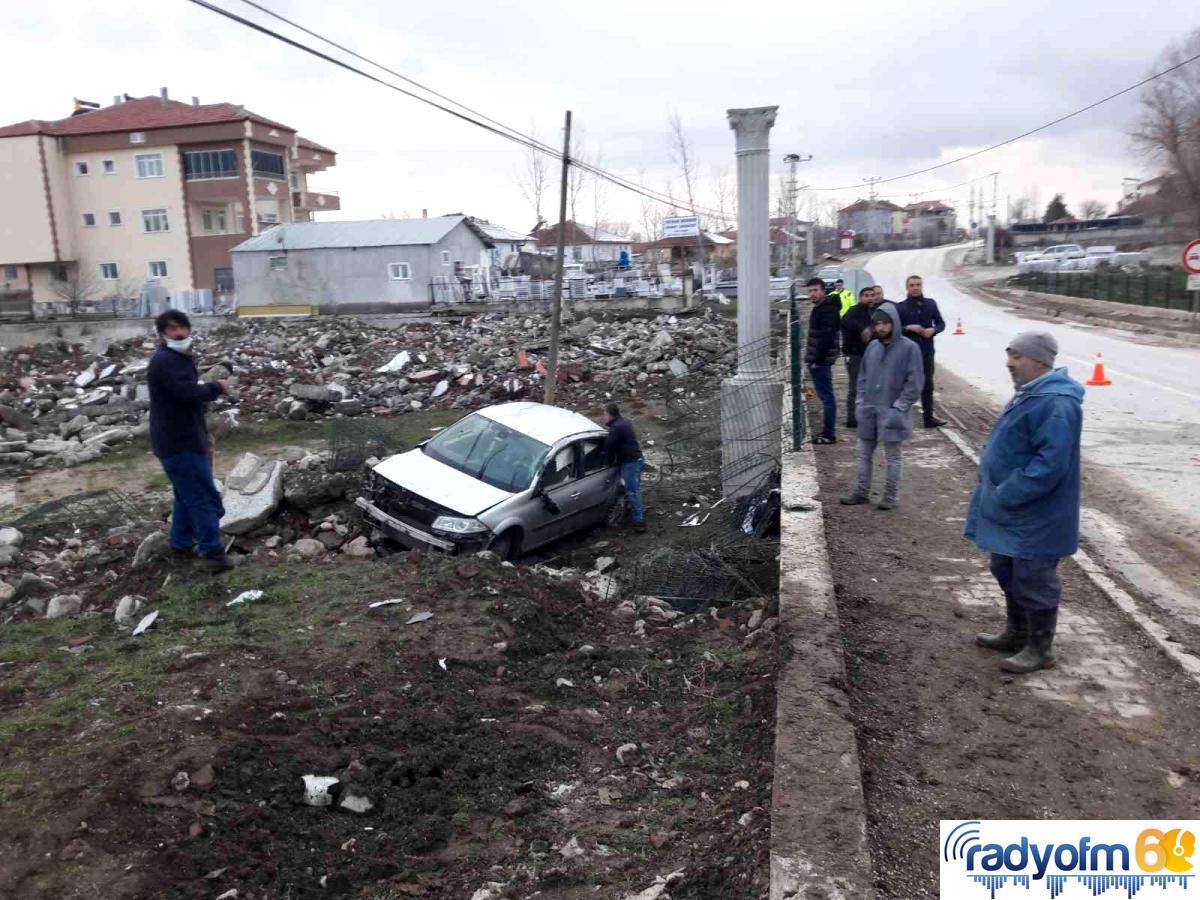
(458, 525)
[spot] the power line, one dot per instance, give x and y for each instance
(1022, 136)
(498, 129)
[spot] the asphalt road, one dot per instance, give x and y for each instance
(1144, 429)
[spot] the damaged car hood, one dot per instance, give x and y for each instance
(428, 478)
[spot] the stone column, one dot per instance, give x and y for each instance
(752, 401)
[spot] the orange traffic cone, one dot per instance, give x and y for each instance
(958, 329)
(1098, 379)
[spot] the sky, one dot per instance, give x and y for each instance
(873, 89)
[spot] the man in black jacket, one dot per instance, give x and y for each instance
(921, 319)
(623, 449)
(182, 444)
(856, 334)
(821, 352)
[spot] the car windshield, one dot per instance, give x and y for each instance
(489, 451)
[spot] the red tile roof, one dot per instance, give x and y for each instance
(860, 205)
(313, 145)
(143, 114)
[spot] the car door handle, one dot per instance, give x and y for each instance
(577, 495)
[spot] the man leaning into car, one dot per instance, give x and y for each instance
(623, 450)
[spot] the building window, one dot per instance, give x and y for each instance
(445, 257)
(158, 268)
(268, 165)
(81, 168)
(89, 220)
(398, 271)
(294, 180)
(154, 220)
(214, 221)
(109, 166)
(149, 165)
(108, 271)
(277, 263)
(137, 137)
(10, 273)
(201, 164)
(114, 217)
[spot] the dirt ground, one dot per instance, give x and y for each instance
(943, 734)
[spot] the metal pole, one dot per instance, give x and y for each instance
(556, 309)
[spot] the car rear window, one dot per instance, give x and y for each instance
(489, 451)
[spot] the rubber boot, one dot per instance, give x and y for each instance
(1039, 650)
(1014, 636)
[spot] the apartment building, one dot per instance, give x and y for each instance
(146, 193)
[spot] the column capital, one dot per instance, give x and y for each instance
(751, 126)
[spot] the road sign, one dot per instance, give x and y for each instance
(687, 226)
(1191, 257)
(1193, 283)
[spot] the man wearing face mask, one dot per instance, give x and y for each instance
(182, 444)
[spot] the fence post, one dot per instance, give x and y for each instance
(796, 379)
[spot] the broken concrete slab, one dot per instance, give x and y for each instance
(256, 500)
(63, 605)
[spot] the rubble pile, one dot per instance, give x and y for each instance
(62, 406)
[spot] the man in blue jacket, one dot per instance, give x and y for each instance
(182, 444)
(888, 386)
(623, 449)
(1025, 509)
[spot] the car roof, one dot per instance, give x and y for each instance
(547, 424)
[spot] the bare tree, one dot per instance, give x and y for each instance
(534, 178)
(1022, 209)
(576, 176)
(76, 287)
(599, 191)
(1092, 209)
(726, 198)
(651, 212)
(684, 156)
(1169, 130)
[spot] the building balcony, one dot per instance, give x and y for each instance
(311, 201)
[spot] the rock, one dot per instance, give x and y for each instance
(78, 457)
(627, 754)
(397, 362)
(355, 803)
(73, 426)
(49, 447)
(111, 436)
(11, 536)
(318, 393)
(584, 328)
(257, 499)
(181, 782)
(662, 341)
(86, 377)
(756, 618)
(6, 591)
(309, 548)
(30, 585)
(425, 376)
(604, 563)
(571, 849)
(297, 411)
(63, 605)
(359, 548)
(678, 368)
(626, 611)
(16, 458)
(128, 608)
(16, 419)
(517, 808)
(349, 407)
(155, 546)
(216, 373)
(204, 776)
(439, 389)
(307, 489)
(331, 539)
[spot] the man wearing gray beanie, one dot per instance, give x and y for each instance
(1025, 509)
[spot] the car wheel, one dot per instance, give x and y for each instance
(505, 546)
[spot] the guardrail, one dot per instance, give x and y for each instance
(1162, 288)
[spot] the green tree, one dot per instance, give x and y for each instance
(1056, 209)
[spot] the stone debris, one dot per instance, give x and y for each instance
(127, 609)
(253, 491)
(63, 605)
(62, 404)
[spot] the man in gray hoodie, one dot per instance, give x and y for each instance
(889, 383)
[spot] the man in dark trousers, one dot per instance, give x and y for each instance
(622, 448)
(856, 334)
(1025, 509)
(922, 321)
(182, 444)
(821, 352)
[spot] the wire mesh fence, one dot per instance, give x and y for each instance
(353, 441)
(90, 509)
(1162, 288)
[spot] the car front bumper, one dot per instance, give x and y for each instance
(418, 538)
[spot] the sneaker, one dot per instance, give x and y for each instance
(886, 504)
(854, 499)
(216, 563)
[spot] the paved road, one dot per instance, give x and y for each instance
(1145, 428)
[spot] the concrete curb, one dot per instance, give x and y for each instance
(818, 814)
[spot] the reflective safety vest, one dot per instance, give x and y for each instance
(847, 298)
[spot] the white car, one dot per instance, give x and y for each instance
(509, 478)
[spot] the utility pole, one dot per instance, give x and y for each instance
(871, 189)
(991, 227)
(794, 159)
(556, 309)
